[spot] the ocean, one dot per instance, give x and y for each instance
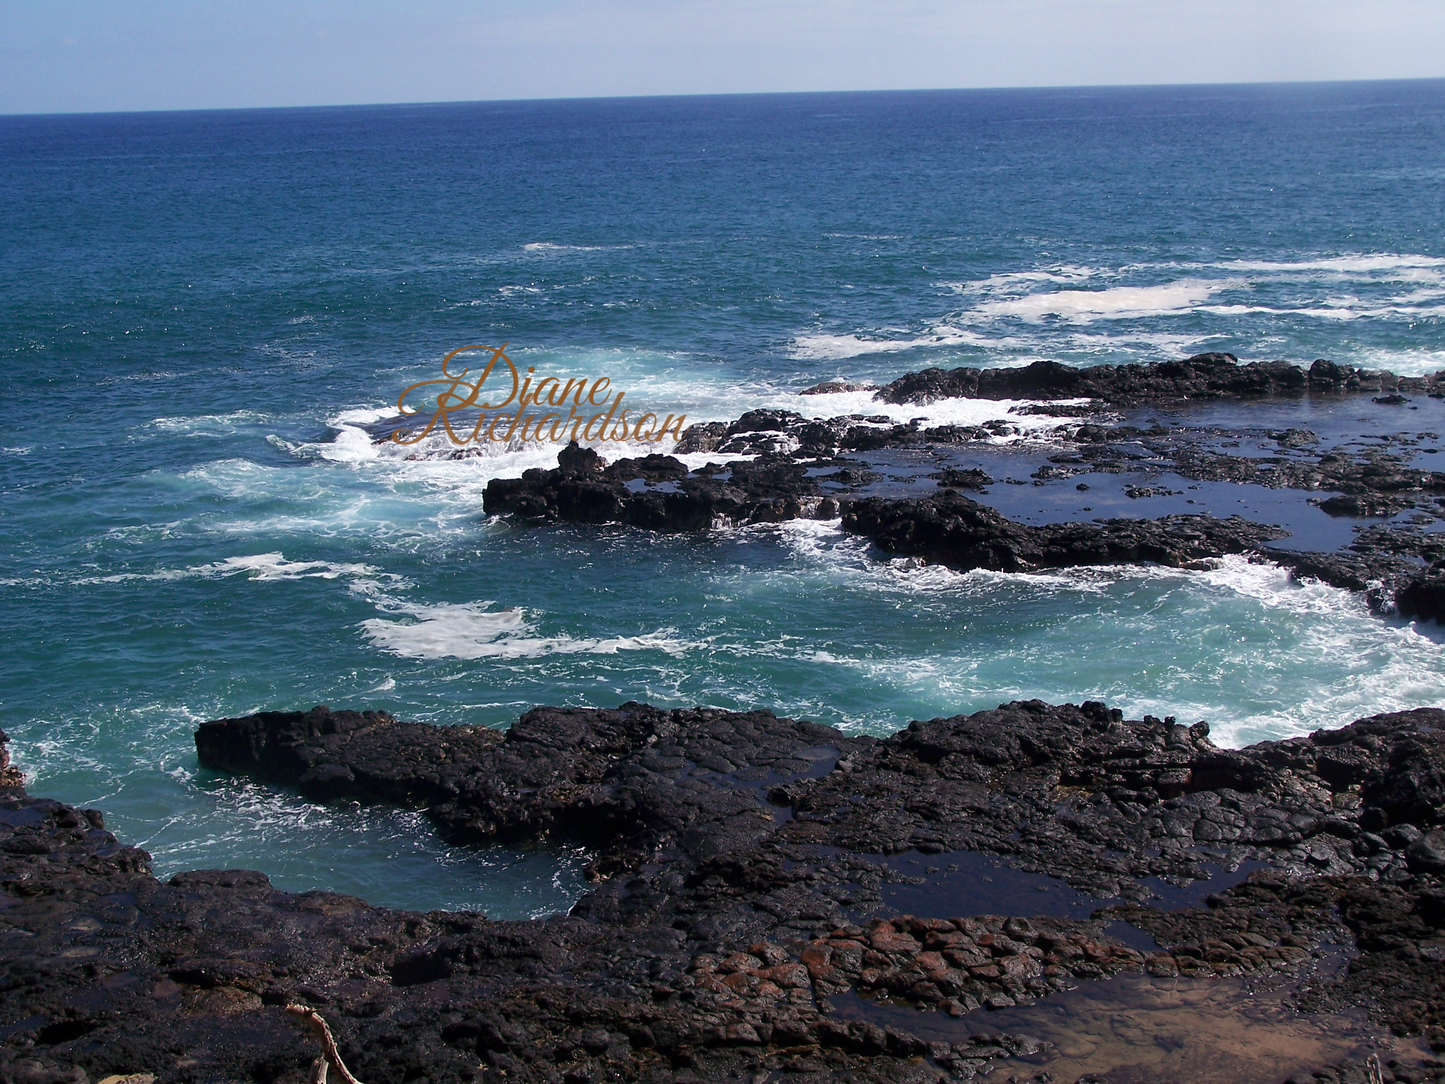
(201, 313)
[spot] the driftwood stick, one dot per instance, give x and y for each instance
(330, 1056)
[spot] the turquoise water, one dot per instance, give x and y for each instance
(199, 312)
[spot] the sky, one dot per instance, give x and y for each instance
(110, 55)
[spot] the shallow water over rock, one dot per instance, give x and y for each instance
(1135, 1028)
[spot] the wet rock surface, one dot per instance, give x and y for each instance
(738, 900)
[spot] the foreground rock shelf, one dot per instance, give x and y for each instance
(737, 925)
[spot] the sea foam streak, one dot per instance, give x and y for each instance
(471, 631)
(262, 567)
(1403, 265)
(1120, 302)
(825, 347)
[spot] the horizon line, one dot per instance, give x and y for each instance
(724, 94)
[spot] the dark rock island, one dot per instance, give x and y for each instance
(1203, 376)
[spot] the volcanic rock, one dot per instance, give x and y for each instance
(953, 530)
(1203, 376)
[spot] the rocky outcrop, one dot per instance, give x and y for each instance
(1148, 798)
(631, 782)
(847, 467)
(948, 965)
(1423, 595)
(657, 492)
(1203, 376)
(1305, 802)
(953, 530)
(108, 971)
(704, 786)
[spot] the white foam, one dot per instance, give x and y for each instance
(1137, 314)
(1378, 666)
(811, 531)
(828, 347)
(1272, 585)
(271, 567)
(1051, 298)
(361, 416)
(1119, 302)
(1336, 308)
(352, 445)
(1420, 362)
(202, 425)
(262, 567)
(694, 460)
(462, 479)
(963, 412)
(470, 630)
(550, 247)
(1011, 280)
(1360, 263)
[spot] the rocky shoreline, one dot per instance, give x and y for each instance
(738, 924)
(802, 468)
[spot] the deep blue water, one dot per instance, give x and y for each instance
(199, 310)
